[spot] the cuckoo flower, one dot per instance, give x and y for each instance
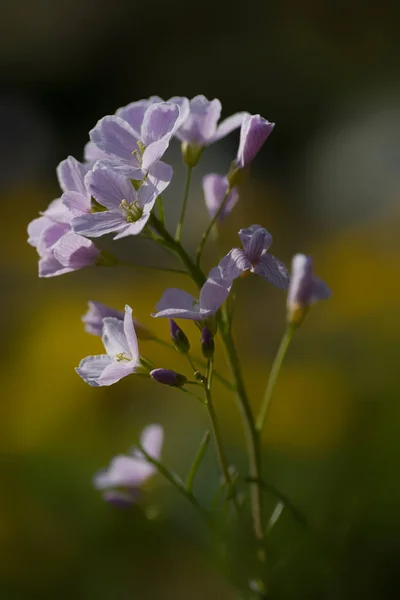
(134, 112)
(122, 358)
(128, 209)
(129, 153)
(253, 133)
(254, 258)
(126, 475)
(215, 187)
(178, 304)
(93, 320)
(304, 289)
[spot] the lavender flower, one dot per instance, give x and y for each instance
(253, 133)
(304, 289)
(178, 304)
(168, 377)
(128, 209)
(130, 472)
(134, 112)
(76, 252)
(214, 188)
(254, 258)
(93, 320)
(179, 338)
(129, 153)
(122, 358)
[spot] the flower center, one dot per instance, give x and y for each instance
(133, 211)
(120, 357)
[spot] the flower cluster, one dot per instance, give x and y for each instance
(117, 190)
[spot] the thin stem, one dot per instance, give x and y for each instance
(176, 482)
(217, 433)
(122, 263)
(198, 460)
(275, 369)
(161, 213)
(211, 226)
(184, 203)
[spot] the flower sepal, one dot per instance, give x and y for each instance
(191, 153)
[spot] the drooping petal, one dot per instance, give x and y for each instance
(273, 270)
(255, 239)
(151, 439)
(124, 471)
(214, 292)
(178, 304)
(75, 251)
(91, 367)
(49, 266)
(201, 124)
(234, 264)
(130, 335)
(254, 131)
(98, 224)
(116, 371)
(114, 338)
(214, 188)
(71, 174)
(76, 202)
(109, 188)
(227, 126)
(115, 136)
(93, 318)
(320, 290)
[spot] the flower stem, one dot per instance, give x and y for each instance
(161, 213)
(184, 203)
(197, 461)
(211, 226)
(275, 369)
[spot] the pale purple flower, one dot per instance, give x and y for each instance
(128, 209)
(92, 153)
(168, 377)
(254, 258)
(134, 112)
(178, 304)
(214, 188)
(75, 251)
(253, 133)
(201, 126)
(93, 320)
(304, 289)
(122, 358)
(126, 475)
(130, 154)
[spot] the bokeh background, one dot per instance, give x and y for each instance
(326, 183)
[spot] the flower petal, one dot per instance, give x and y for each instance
(255, 239)
(115, 136)
(159, 122)
(214, 292)
(184, 106)
(116, 371)
(151, 439)
(201, 124)
(50, 267)
(320, 290)
(75, 251)
(254, 131)
(71, 174)
(76, 202)
(273, 270)
(98, 224)
(178, 304)
(227, 126)
(124, 471)
(214, 188)
(91, 367)
(93, 318)
(160, 175)
(128, 168)
(234, 264)
(134, 113)
(92, 153)
(109, 188)
(130, 335)
(114, 338)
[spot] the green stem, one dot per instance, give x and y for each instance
(176, 482)
(211, 226)
(161, 213)
(184, 203)
(197, 461)
(275, 369)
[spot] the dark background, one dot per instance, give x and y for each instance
(326, 183)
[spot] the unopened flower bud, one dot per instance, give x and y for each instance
(207, 343)
(168, 377)
(179, 338)
(304, 289)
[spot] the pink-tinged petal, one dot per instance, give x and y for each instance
(184, 106)
(159, 122)
(75, 251)
(127, 168)
(254, 132)
(36, 228)
(76, 203)
(160, 175)
(57, 212)
(50, 267)
(98, 224)
(273, 270)
(201, 124)
(214, 188)
(214, 292)
(130, 335)
(151, 440)
(114, 338)
(115, 136)
(93, 318)
(109, 188)
(50, 236)
(116, 371)
(124, 471)
(178, 304)
(234, 264)
(227, 126)
(92, 153)
(255, 239)
(71, 174)
(91, 367)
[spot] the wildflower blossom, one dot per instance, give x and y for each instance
(254, 257)
(76, 252)
(253, 133)
(304, 289)
(214, 188)
(126, 475)
(93, 320)
(122, 358)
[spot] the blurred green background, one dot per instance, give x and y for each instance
(326, 183)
